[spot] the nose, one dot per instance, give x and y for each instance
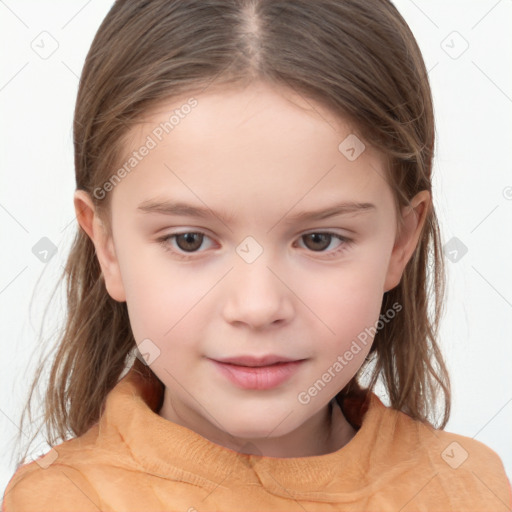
(257, 296)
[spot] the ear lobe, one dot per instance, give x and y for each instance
(91, 223)
(414, 216)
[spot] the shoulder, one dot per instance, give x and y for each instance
(57, 487)
(463, 470)
(58, 480)
(468, 455)
(71, 475)
(403, 434)
(448, 451)
(465, 467)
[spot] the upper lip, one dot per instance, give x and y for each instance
(256, 361)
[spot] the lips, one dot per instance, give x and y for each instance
(254, 361)
(257, 373)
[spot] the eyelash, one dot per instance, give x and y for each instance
(164, 241)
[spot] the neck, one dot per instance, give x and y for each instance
(325, 432)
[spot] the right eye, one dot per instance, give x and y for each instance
(187, 242)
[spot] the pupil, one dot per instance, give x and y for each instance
(317, 237)
(189, 241)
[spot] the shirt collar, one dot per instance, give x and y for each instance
(169, 450)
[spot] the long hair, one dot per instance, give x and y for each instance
(359, 59)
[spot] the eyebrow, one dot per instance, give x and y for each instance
(331, 211)
(187, 210)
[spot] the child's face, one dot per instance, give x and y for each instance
(254, 285)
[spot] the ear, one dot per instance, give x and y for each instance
(91, 223)
(413, 216)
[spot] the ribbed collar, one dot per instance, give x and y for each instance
(168, 450)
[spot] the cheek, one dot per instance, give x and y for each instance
(160, 319)
(154, 297)
(166, 302)
(157, 308)
(347, 297)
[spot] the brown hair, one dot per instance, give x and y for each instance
(358, 58)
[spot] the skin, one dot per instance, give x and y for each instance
(260, 154)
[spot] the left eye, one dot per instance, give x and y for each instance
(318, 242)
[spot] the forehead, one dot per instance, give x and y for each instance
(270, 145)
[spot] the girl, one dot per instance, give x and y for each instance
(257, 246)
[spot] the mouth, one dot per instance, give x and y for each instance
(253, 361)
(248, 372)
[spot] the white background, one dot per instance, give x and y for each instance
(473, 193)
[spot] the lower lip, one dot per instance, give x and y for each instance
(258, 377)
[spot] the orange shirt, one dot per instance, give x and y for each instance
(135, 460)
